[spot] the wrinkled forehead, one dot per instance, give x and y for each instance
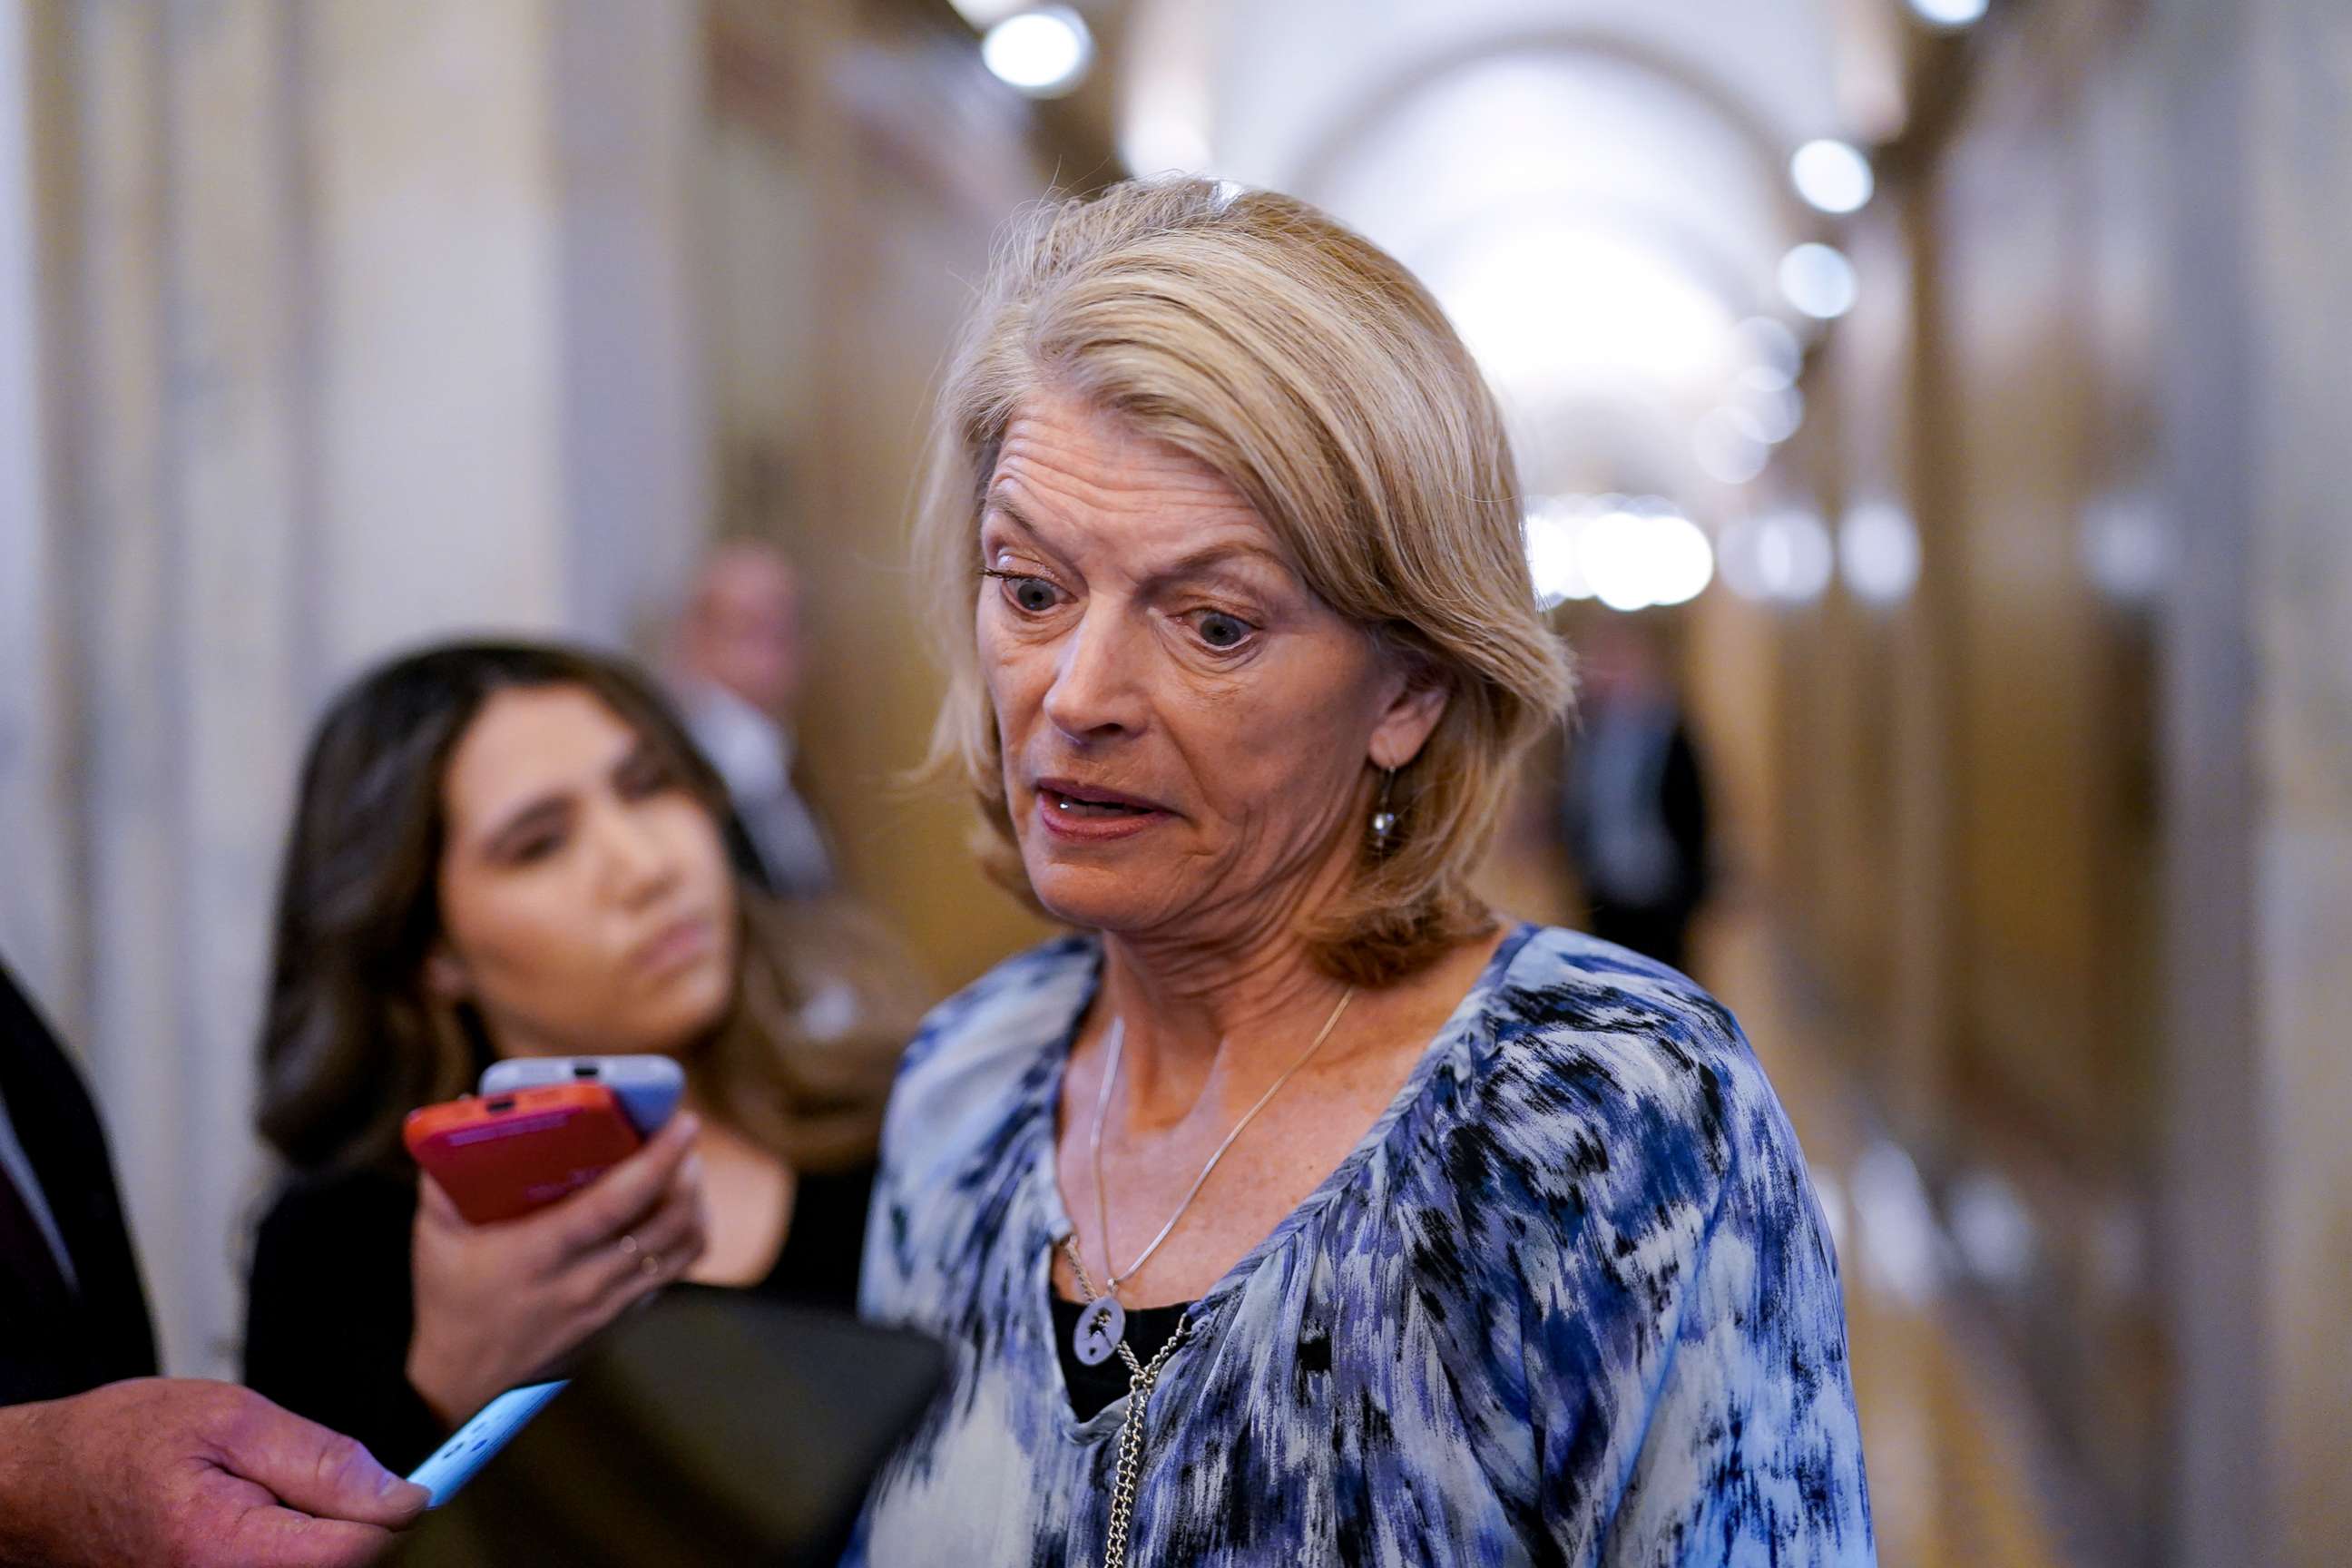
(1087, 487)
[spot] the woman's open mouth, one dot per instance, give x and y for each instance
(1072, 810)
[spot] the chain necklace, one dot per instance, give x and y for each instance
(1141, 1378)
(1102, 1325)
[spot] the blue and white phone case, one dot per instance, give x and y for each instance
(476, 1443)
(648, 1086)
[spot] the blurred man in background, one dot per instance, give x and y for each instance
(1634, 812)
(736, 663)
(102, 1463)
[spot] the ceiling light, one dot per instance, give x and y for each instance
(1878, 553)
(1551, 554)
(1044, 52)
(1785, 556)
(1832, 176)
(1819, 280)
(1728, 450)
(985, 13)
(2126, 551)
(1952, 13)
(1634, 560)
(1771, 417)
(1775, 357)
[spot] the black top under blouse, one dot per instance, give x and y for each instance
(1094, 1387)
(332, 1304)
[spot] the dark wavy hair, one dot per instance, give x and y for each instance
(353, 1040)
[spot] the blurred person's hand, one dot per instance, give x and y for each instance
(496, 1303)
(171, 1473)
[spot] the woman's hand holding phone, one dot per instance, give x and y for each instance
(496, 1303)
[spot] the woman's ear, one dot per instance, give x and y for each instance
(445, 977)
(1405, 725)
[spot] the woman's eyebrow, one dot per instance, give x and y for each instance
(1005, 511)
(1212, 559)
(1201, 560)
(639, 752)
(545, 811)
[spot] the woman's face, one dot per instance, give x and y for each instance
(586, 903)
(1185, 726)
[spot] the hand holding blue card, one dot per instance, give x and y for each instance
(474, 1444)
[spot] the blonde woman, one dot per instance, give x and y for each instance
(1297, 1209)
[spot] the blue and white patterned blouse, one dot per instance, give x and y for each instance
(1570, 1301)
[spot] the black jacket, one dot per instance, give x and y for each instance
(62, 1339)
(331, 1304)
(1676, 796)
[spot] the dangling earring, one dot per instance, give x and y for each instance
(1384, 821)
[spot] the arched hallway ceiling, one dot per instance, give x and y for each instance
(1597, 190)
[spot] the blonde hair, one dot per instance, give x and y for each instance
(1316, 375)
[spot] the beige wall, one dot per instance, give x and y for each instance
(2107, 738)
(357, 325)
(2298, 524)
(341, 346)
(855, 179)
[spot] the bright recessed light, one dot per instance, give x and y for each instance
(1634, 560)
(1683, 562)
(1819, 280)
(2125, 550)
(985, 13)
(1773, 356)
(1044, 52)
(1551, 555)
(1878, 550)
(1832, 176)
(1727, 450)
(1780, 414)
(1784, 556)
(1952, 13)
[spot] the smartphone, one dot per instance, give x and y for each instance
(647, 1086)
(502, 1156)
(474, 1444)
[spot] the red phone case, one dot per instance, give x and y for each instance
(506, 1154)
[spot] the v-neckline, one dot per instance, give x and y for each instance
(1046, 1174)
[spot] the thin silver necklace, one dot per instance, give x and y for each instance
(1102, 1326)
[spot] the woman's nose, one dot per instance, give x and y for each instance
(636, 860)
(1095, 693)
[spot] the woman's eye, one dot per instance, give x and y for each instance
(1032, 595)
(649, 777)
(1221, 631)
(538, 847)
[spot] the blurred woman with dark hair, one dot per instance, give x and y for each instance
(510, 849)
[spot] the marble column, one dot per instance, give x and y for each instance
(2301, 582)
(36, 932)
(2260, 739)
(359, 324)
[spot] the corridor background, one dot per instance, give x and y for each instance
(2023, 667)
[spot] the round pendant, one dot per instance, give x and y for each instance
(1100, 1328)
